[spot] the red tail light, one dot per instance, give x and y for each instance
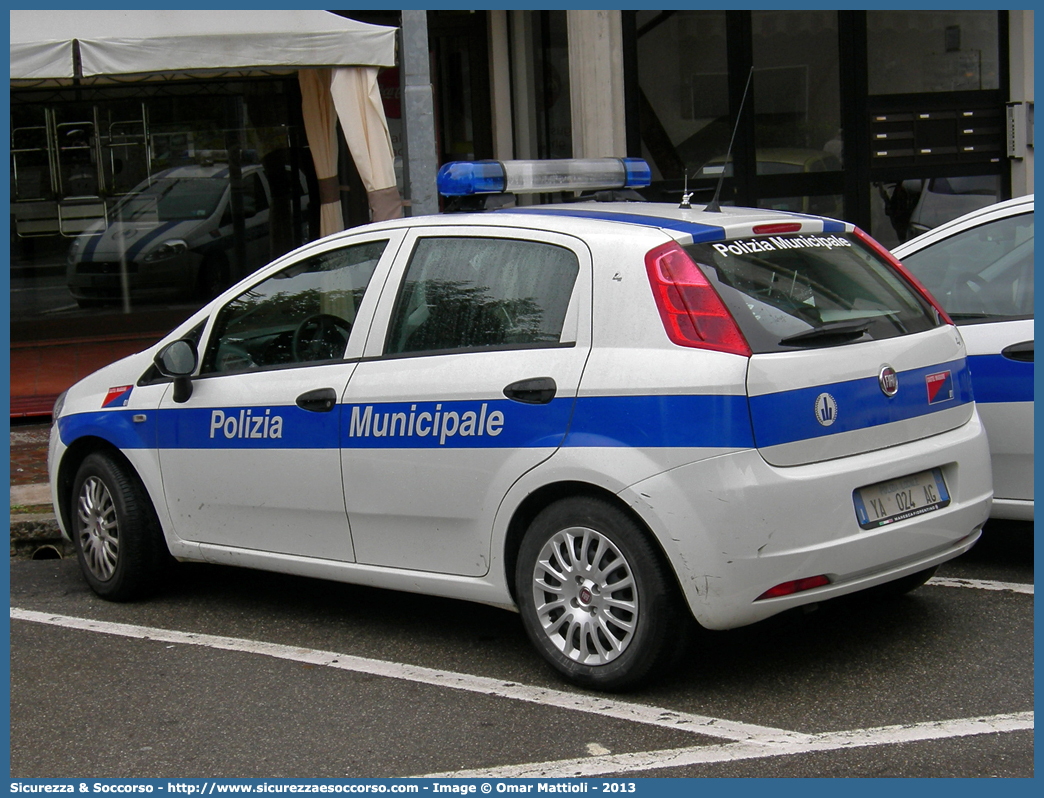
(797, 586)
(896, 264)
(691, 310)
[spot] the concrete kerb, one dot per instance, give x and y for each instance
(34, 532)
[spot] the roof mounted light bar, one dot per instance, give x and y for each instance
(464, 178)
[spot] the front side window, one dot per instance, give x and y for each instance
(789, 292)
(482, 293)
(302, 314)
(981, 274)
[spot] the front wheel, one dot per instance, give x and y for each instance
(596, 597)
(118, 541)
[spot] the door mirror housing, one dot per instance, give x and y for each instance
(178, 360)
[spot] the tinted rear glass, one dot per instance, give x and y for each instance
(790, 292)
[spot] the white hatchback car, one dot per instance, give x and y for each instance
(980, 268)
(614, 417)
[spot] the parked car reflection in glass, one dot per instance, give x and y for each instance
(174, 234)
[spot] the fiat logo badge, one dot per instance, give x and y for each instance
(888, 380)
(826, 409)
(585, 596)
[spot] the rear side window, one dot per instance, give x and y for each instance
(798, 291)
(981, 274)
(481, 293)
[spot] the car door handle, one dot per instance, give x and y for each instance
(534, 391)
(1022, 352)
(321, 400)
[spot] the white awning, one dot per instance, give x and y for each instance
(58, 46)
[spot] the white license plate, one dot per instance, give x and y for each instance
(900, 499)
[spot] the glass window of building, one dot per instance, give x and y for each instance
(554, 120)
(132, 205)
(541, 113)
(797, 92)
(683, 78)
(932, 51)
(154, 201)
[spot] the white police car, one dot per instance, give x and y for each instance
(613, 417)
(980, 268)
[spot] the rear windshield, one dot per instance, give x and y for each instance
(798, 291)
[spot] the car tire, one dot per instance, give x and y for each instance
(213, 277)
(596, 596)
(117, 536)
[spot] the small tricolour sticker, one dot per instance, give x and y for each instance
(117, 397)
(940, 387)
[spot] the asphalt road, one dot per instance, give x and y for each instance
(232, 673)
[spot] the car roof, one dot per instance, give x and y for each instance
(217, 169)
(590, 218)
(999, 210)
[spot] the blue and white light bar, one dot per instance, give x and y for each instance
(464, 178)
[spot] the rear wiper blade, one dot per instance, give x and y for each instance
(834, 332)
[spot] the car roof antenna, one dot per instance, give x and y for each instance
(686, 194)
(714, 206)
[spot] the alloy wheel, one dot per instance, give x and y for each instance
(585, 596)
(98, 528)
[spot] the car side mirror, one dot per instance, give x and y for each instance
(178, 360)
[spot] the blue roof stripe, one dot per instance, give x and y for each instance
(700, 232)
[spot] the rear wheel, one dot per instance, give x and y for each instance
(118, 541)
(596, 598)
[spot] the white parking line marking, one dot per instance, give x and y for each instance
(750, 741)
(980, 584)
(603, 706)
(752, 749)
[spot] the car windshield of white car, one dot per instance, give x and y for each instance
(981, 274)
(800, 291)
(173, 200)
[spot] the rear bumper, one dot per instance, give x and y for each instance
(735, 526)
